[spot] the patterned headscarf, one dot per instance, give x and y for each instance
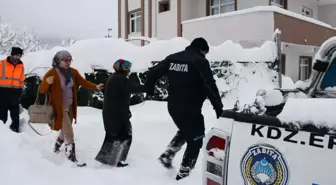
(61, 55)
(122, 65)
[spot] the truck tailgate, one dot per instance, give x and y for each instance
(261, 154)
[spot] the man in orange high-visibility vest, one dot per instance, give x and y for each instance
(11, 87)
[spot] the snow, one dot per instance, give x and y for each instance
(31, 157)
(262, 9)
(217, 154)
(319, 111)
(273, 97)
(287, 83)
(26, 40)
(235, 52)
(330, 89)
(302, 85)
(245, 82)
(37, 164)
(326, 45)
(103, 52)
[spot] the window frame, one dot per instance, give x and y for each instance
(308, 59)
(309, 9)
(284, 5)
(137, 15)
(219, 6)
(161, 3)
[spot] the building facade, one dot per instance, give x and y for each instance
(304, 24)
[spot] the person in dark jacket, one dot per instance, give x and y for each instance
(190, 83)
(11, 87)
(116, 115)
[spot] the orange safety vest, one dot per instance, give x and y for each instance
(11, 76)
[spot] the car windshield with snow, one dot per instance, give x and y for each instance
(287, 136)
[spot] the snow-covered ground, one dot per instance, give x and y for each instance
(27, 158)
(30, 157)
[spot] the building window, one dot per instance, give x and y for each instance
(304, 68)
(221, 6)
(307, 11)
(164, 6)
(135, 22)
(279, 3)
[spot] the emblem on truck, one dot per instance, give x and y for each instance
(263, 164)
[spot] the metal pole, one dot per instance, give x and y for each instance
(278, 41)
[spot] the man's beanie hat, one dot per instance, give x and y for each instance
(122, 65)
(200, 43)
(16, 51)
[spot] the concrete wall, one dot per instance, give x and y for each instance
(166, 21)
(192, 9)
(296, 6)
(293, 53)
(327, 13)
(133, 4)
(123, 19)
(218, 29)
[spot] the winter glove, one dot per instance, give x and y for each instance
(218, 112)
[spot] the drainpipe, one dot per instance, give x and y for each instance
(278, 42)
(156, 14)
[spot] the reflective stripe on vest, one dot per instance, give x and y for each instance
(10, 79)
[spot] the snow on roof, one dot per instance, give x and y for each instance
(103, 52)
(262, 9)
(317, 111)
(235, 52)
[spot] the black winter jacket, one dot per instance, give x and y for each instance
(116, 112)
(190, 80)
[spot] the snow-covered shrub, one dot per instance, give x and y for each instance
(68, 42)
(9, 37)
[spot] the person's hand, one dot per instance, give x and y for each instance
(50, 80)
(100, 86)
(218, 112)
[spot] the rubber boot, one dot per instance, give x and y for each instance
(70, 151)
(58, 145)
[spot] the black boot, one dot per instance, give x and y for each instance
(122, 164)
(167, 158)
(70, 151)
(14, 128)
(183, 173)
(58, 145)
(190, 157)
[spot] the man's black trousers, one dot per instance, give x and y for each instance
(13, 107)
(190, 123)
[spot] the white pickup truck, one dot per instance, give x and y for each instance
(291, 144)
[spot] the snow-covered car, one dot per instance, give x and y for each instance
(291, 143)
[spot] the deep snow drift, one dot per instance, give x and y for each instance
(104, 52)
(239, 80)
(30, 157)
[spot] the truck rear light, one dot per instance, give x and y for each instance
(216, 157)
(216, 147)
(211, 182)
(216, 142)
